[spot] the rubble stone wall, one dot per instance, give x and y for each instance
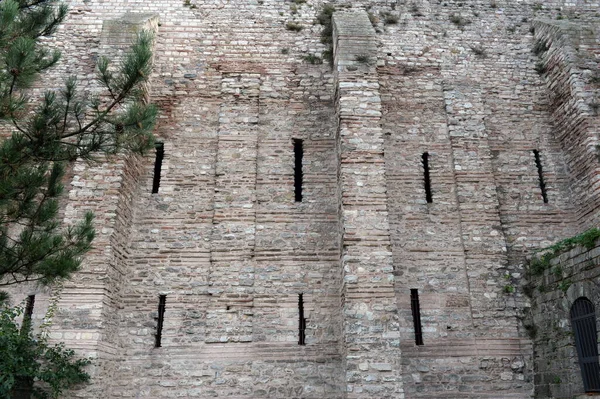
(570, 276)
(236, 82)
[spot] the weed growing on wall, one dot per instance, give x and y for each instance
(389, 18)
(294, 27)
(586, 240)
(325, 20)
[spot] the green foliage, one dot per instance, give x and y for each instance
(363, 59)
(564, 285)
(531, 330)
(586, 239)
(48, 134)
(389, 18)
(509, 289)
(540, 68)
(542, 288)
(479, 51)
(557, 271)
(25, 358)
(556, 380)
(325, 20)
(294, 27)
(539, 47)
(328, 55)
(324, 17)
(459, 20)
(313, 59)
(62, 127)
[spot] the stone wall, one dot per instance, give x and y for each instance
(568, 53)
(227, 244)
(569, 276)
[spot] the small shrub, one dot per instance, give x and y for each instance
(539, 47)
(389, 18)
(557, 271)
(588, 239)
(459, 20)
(313, 59)
(324, 18)
(542, 289)
(537, 6)
(294, 9)
(294, 27)
(564, 285)
(556, 380)
(479, 51)
(363, 59)
(509, 289)
(409, 70)
(28, 357)
(299, 1)
(531, 330)
(328, 56)
(540, 68)
(538, 265)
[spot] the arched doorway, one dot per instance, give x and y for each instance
(583, 320)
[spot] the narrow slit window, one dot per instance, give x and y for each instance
(28, 314)
(301, 321)
(162, 301)
(427, 177)
(298, 155)
(160, 153)
(416, 313)
(538, 164)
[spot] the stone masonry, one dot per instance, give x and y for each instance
(473, 87)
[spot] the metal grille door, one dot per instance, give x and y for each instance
(583, 320)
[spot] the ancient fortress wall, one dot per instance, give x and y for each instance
(570, 276)
(226, 242)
